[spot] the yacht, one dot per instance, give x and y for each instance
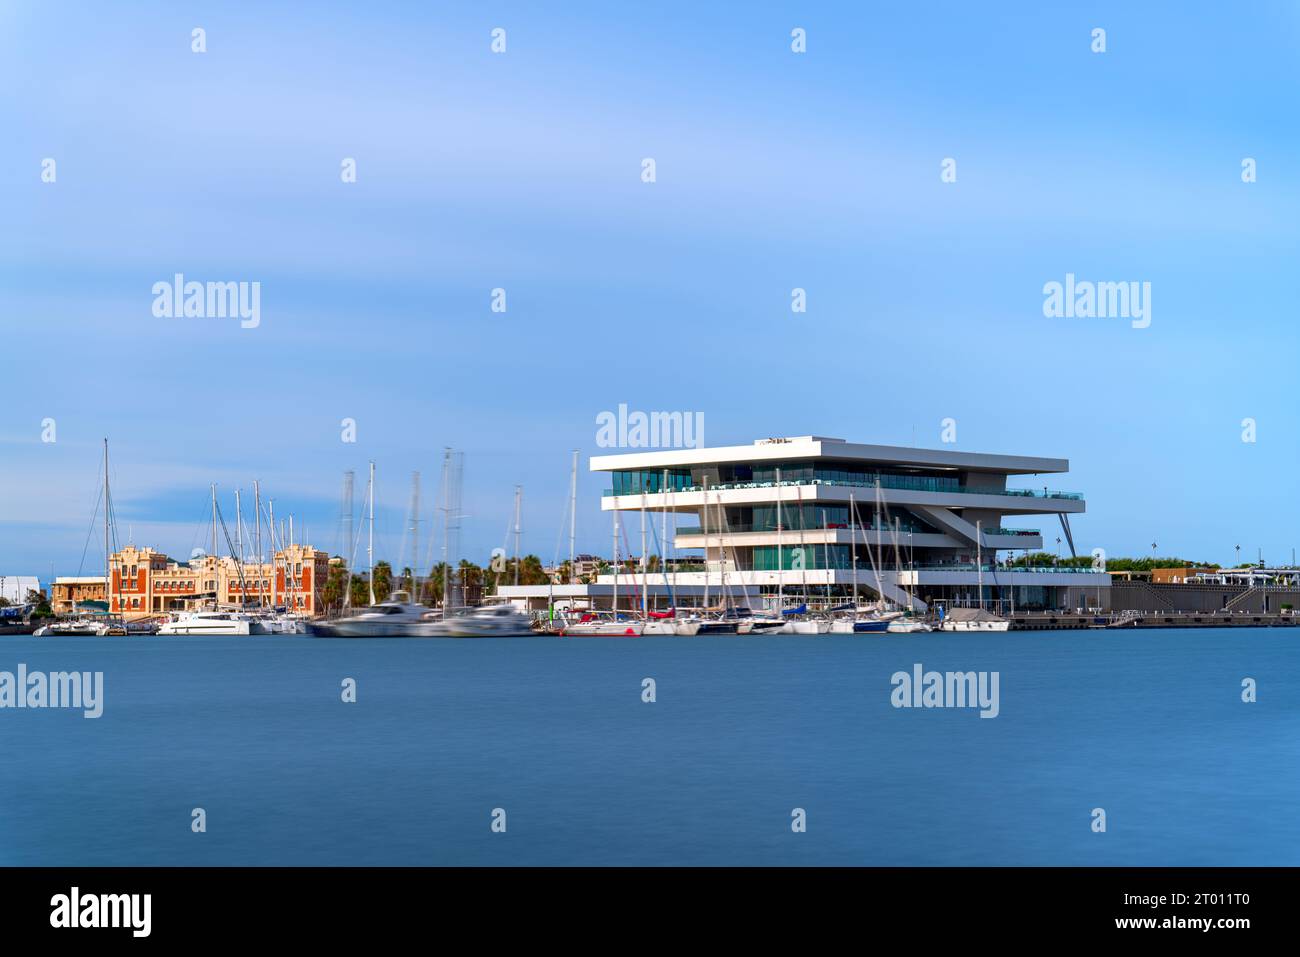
(72, 626)
(489, 621)
(390, 619)
(907, 626)
(279, 624)
(973, 619)
(208, 623)
(859, 625)
(606, 625)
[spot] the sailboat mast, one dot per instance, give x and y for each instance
(645, 604)
(370, 546)
(979, 560)
(803, 557)
(108, 598)
(415, 535)
(663, 536)
(573, 520)
(257, 524)
(780, 558)
(704, 527)
(615, 603)
(853, 546)
(826, 559)
(519, 493)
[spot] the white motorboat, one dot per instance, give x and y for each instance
(208, 623)
(807, 626)
(975, 625)
(489, 621)
(72, 626)
(390, 619)
(766, 625)
(278, 625)
(592, 625)
(859, 625)
(907, 626)
(973, 619)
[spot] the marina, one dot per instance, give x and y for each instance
(804, 535)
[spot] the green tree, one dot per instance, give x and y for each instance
(360, 591)
(335, 584)
(432, 589)
(471, 581)
(383, 581)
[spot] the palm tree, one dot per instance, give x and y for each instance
(532, 572)
(332, 594)
(471, 581)
(383, 581)
(360, 587)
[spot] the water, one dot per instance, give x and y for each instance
(1148, 725)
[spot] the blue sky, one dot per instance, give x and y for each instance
(522, 171)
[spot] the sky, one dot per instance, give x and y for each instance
(523, 170)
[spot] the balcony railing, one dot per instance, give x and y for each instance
(1002, 569)
(829, 526)
(891, 482)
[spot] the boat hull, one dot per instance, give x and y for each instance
(622, 629)
(975, 626)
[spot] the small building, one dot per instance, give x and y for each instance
(1181, 575)
(68, 591)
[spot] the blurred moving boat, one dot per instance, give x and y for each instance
(390, 619)
(488, 621)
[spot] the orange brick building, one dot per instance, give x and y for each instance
(145, 582)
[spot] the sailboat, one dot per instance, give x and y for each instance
(855, 622)
(975, 619)
(593, 624)
(399, 617)
(798, 622)
(83, 624)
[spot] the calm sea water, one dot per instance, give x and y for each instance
(1148, 725)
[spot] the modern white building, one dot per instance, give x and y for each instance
(14, 588)
(812, 519)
